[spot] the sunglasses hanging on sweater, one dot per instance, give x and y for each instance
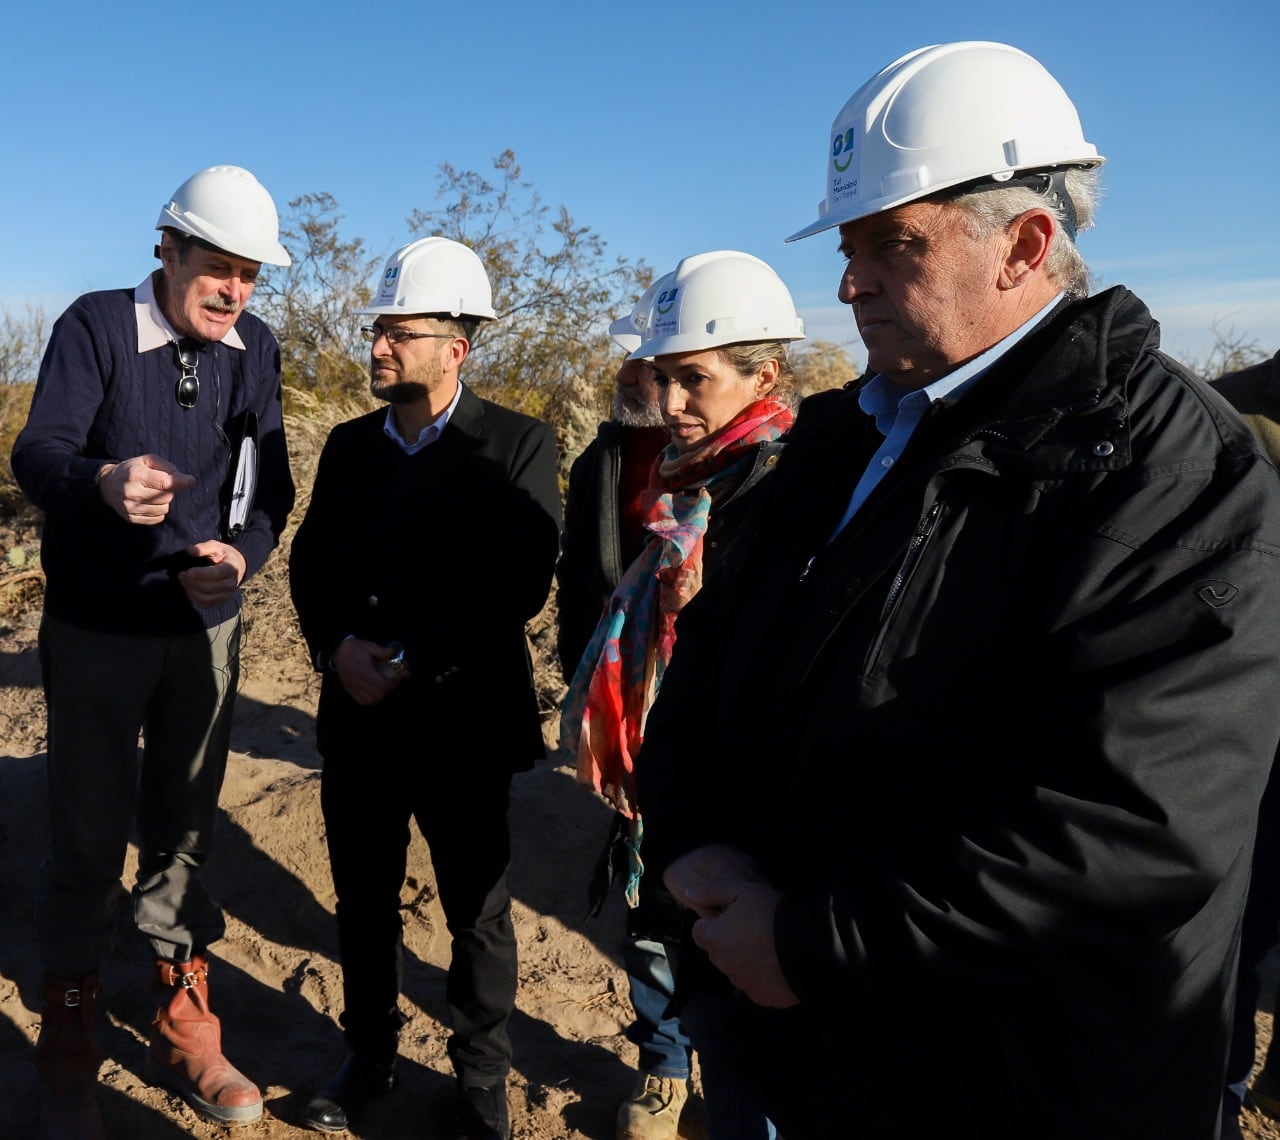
(187, 389)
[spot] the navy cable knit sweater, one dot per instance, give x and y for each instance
(98, 400)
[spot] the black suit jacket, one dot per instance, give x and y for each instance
(450, 552)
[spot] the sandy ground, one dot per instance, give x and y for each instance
(276, 982)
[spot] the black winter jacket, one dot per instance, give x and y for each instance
(1000, 745)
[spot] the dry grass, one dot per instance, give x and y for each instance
(269, 620)
(21, 582)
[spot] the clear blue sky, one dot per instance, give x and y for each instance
(668, 129)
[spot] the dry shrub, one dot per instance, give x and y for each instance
(270, 625)
(21, 598)
(15, 401)
(21, 581)
(547, 682)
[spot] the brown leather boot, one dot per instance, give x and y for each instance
(185, 1053)
(67, 1060)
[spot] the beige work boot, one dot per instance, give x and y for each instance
(652, 1112)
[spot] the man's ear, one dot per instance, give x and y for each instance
(1030, 235)
(167, 252)
(459, 348)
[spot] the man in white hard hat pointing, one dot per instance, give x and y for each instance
(1014, 601)
(155, 448)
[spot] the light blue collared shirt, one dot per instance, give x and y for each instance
(898, 413)
(428, 434)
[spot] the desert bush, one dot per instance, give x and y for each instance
(269, 620)
(1229, 352)
(15, 400)
(21, 580)
(311, 305)
(554, 287)
(819, 365)
(22, 340)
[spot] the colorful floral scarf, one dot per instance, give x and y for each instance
(603, 715)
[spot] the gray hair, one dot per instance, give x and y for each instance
(991, 209)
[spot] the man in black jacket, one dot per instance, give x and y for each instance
(960, 767)
(429, 542)
(1255, 393)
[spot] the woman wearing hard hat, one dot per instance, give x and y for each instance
(716, 334)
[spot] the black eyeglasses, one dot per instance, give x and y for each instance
(187, 389)
(396, 335)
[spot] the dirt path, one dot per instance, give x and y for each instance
(276, 983)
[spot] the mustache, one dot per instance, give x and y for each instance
(219, 304)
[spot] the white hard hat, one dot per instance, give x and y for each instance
(715, 299)
(944, 116)
(227, 207)
(626, 331)
(433, 275)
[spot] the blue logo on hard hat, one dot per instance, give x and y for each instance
(843, 144)
(667, 299)
(389, 278)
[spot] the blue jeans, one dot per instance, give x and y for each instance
(664, 1046)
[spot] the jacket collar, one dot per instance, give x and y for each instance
(1061, 394)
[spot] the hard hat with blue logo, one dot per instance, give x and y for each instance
(433, 275)
(626, 331)
(945, 117)
(716, 299)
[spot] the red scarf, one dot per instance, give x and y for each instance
(603, 715)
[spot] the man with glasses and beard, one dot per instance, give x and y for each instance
(428, 544)
(146, 400)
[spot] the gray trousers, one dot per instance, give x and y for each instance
(103, 690)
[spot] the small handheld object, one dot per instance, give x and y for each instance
(394, 667)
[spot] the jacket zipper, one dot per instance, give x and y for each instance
(910, 562)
